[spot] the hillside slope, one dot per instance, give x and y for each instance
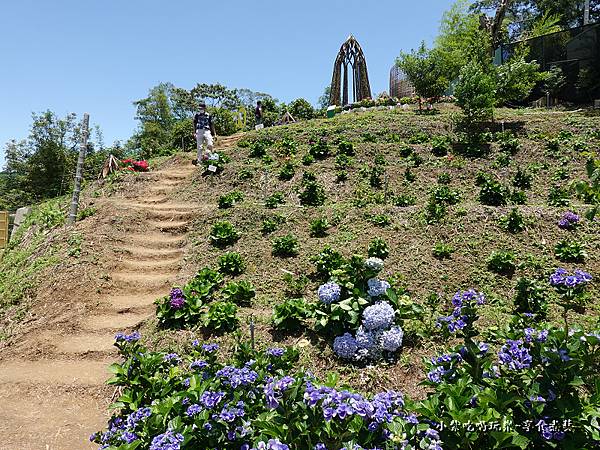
(151, 232)
(124, 256)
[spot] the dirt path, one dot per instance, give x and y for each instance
(53, 398)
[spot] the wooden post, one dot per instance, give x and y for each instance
(79, 173)
(3, 229)
(586, 12)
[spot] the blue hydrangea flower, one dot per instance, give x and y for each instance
(167, 441)
(391, 340)
(210, 348)
(561, 278)
(329, 292)
(345, 346)
(172, 358)
(120, 337)
(569, 221)
(378, 316)
(377, 287)
(193, 410)
(277, 352)
(364, 338)
(375, 264)
(514, 355)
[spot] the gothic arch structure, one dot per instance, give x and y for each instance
(350, 59)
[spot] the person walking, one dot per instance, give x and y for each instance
(204, 132)
(258, 115)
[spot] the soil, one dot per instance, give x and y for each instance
(53, 371)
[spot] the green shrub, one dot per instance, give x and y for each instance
(444, 178)
(271, 224)
(327, 261)
(228, 200)
(440, 145)
(245, 174)
(276, 199)
(493, 193)
(518, 197)
(84, 213)
(442, 250)
(223, 234)
(221, 317)
(380, 220)
(301, 109)
(404, 200)
(308, 159)
(522, 179)
(409, 176)
(513, 222)
(290, 315)
(559, 197)
(341, 175)
(346, 148)
(420, 137)
(289, 146)
(570, 251)
(509, 143)
(231, 263)
(405, 150)
(369, 137)
(443, 195)
(258, 148)
(378, 248)
(319, 149)
(313, 194)
(502, 262)
(286, 246)
(319, 227)
(343, 161)
(434, 212)
(287, 171)
(502, 160)
(475, 93)
(376, 174)
(531, 297)
(241, 293)
(295, 287)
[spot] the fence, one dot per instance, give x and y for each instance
(3, 229)
(575, 51)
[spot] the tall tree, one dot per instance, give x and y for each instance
(425, 70)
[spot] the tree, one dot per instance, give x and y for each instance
(301, 109)
(461, 39)
(516, 78)
(324, 99)
(475, 93)
(425, 71)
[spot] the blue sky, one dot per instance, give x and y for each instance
(99, 56)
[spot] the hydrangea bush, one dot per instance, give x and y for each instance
(204, 300)
(360, 311)
(251, 401)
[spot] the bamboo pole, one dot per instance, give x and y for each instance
(79, 173)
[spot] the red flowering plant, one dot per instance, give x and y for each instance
(135, 166)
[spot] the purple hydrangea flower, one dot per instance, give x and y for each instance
(176, 298)
(172, 358)
(569, 221)
(378, 316)
(329, 292)
(345, 346)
